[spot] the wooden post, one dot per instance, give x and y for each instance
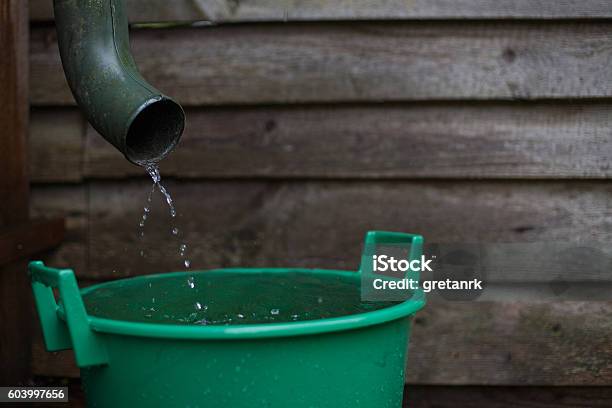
(15, 301)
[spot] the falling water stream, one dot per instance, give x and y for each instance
(153, 171)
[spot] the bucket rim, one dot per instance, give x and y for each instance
(249, 331)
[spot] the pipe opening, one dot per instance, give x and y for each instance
(154, 132)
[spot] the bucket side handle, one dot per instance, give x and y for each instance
(75, 333)
(374, 238)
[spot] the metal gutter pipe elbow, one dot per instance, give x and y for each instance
(126, 110)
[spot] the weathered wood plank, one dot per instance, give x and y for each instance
(357, 62)
(14, 190)
(56, 145)
(480, 343)
(26, 240)
(52, 364)
(565, 343)
(257, 223)
(397, 141)
(373, 141)
(296, 10)
(15, 326)
(14, 40)
(419, 396)
(70, 203)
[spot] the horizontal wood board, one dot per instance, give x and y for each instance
(395, 141)
(356, 62)
(296, 10)
(273, 223)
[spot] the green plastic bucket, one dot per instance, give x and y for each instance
(354, 360)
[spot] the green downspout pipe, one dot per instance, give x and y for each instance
(126, 110)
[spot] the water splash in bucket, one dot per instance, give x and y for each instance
(232, 298)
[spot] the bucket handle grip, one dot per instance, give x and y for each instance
(75, 332)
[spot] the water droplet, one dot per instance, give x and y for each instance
(240, 316)
(187, 263)
(142, 253)
(147, 209)
(198, 306)
(175, 231)
(191, 282)
(320, 299)
(274, 312)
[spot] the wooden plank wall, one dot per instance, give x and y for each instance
(15, 319)
(311, 122)
(298, 10)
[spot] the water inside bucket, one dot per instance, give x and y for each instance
(230, 298)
